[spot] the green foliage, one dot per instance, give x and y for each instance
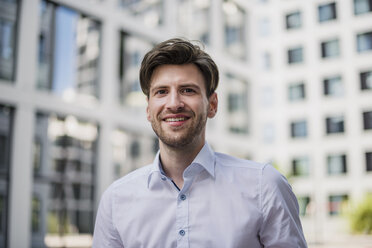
(361, 217)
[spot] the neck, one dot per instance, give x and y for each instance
(176, 160)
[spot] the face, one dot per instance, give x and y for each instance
(178, 107)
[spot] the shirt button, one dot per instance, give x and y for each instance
(182, 232)
(163, 178)
(183, 197)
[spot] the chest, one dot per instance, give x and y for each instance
(204, 216)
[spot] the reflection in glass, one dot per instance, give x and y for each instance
(6, 115)
(301, 166)
(337, 204)
(336, 164)
(333, 86)
(8, 30)
(132, 50)
(150, 12)
(194, 19)
(131, 151)
(64, 165)
(68, 52)
(299, 129)
(237, 98)
(235, 25)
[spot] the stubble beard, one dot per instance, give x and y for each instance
(181, 138)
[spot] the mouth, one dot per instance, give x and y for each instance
(175, 120)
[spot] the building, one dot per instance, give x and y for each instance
(295, 90)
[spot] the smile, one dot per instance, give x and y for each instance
(175, 119)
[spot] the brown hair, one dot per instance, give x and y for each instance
(178, 52)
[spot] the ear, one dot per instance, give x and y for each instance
(213, 105)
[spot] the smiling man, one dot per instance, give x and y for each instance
(191, 196)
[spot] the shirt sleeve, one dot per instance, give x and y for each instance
(105, 234)
(281, 226)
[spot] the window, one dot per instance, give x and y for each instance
(337, 204)
(368, 161)
(364, 42)
(295, 55)
(336, 164)
(64, 183)
(237, 105)
(300, 166)
(150, 13)
(131, 151)
(191, 12)
(330, 49)
(367, 120)
(234, 25)
(6, 118)
(327, 12)
(296, 92)
(335, 124)
(362, 6)
(264, 27)
(293, 20)
(304, 202)
(132, 50)
(69, 51)
(366, 80)
(8, 33)
(333, 86)
(299, 129)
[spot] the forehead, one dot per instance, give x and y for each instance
(174, 75)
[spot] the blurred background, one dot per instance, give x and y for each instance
(295, 91)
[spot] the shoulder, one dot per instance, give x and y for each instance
(133, 179)
(231, 161)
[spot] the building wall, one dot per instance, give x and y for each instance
(74, 77)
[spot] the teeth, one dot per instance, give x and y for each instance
(176, 119)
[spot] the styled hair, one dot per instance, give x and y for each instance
(178, 52)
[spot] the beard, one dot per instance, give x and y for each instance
(180, 136)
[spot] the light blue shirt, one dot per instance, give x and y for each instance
(225, 202)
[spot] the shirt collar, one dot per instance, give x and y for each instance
(205, 159)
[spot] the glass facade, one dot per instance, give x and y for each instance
(237, 105)
(132, 51)
(6, 118)
(69, 51)
(64, 158)
(8, 33)
(149, 12)
(194, 19)
(235, 29)
(131, 151)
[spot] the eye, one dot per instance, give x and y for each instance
(188, 91)
(160, 92)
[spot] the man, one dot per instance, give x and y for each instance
(191, 196)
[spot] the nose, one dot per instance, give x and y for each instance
(174, 101)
